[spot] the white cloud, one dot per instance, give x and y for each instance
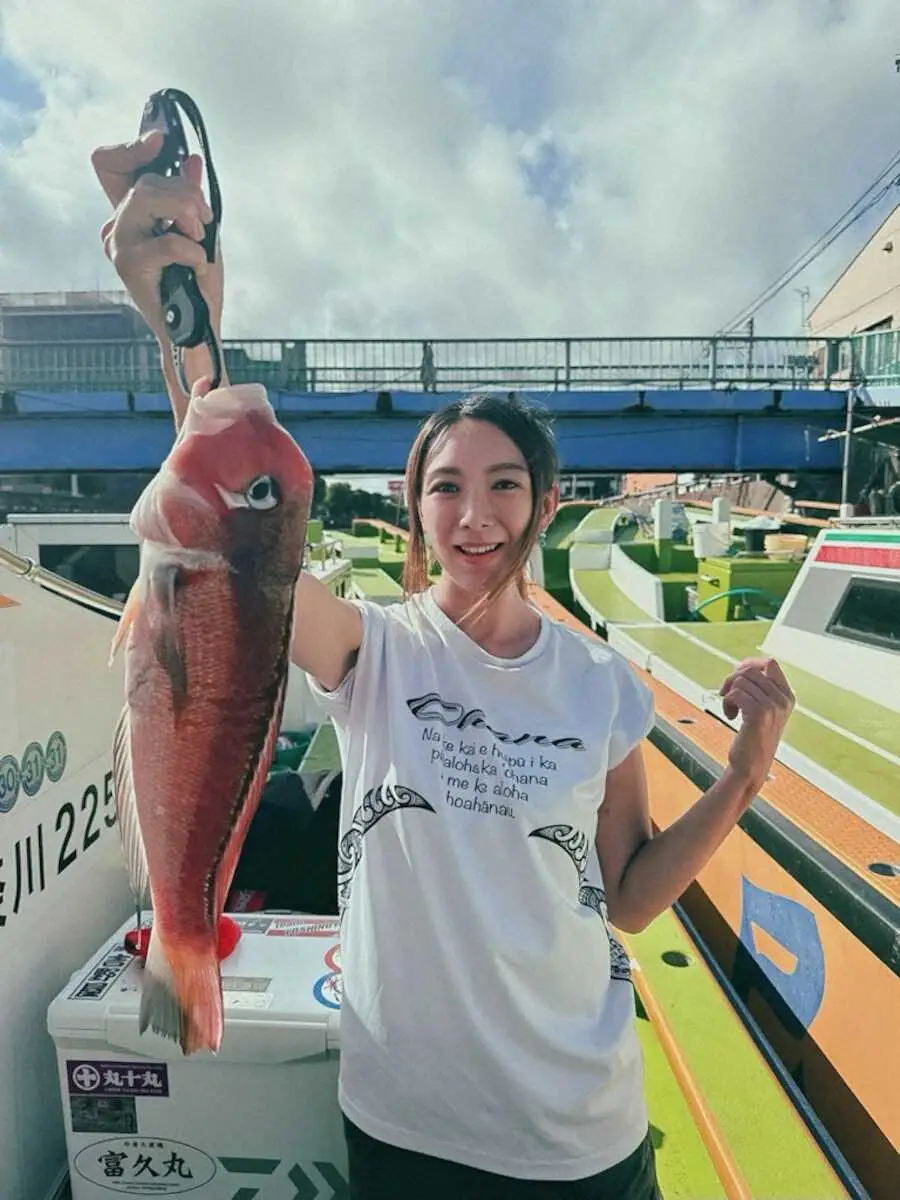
(471, 168)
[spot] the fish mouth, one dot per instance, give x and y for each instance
(211, 413)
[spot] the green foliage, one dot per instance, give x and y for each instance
(342, 504)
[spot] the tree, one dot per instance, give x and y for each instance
(344, 503)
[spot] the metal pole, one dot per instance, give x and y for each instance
(28, 569)
(845, 469)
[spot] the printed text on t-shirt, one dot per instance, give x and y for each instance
(433, 707)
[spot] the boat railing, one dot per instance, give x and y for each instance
(28, 569)
(888, 522)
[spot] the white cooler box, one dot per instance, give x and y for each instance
(260, 1119)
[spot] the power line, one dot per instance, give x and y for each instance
(841, 225)
(814, 251)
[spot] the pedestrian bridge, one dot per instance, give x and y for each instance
(719, 404)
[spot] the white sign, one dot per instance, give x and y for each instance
(152, 1166)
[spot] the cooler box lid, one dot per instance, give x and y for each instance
(281, 986)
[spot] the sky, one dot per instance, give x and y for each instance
(467, 168)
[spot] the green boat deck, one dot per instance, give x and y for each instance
(853, 738)
(605, 601)
(376, 584)
(567, 519)
(368, 547)
(768, 1147)
(322, 753)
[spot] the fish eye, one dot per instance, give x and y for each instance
(263, 493)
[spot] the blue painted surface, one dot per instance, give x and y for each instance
(794, 928)
(152, 402)
(62, 404)
(696, 401)
(596, 431)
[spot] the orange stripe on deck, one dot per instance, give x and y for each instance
(733, 1182)
(8, 602)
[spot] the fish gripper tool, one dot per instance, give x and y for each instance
(186, 312)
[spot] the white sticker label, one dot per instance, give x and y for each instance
(247, 999)
(245, 983)
(145, 1166)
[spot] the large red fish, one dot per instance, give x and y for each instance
(222, 529)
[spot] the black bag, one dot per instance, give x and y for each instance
(290, 855)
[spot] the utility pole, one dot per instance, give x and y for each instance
(803, 293)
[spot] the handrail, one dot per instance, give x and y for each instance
(27, 568)
(825, 505)
(785, 517)
(353, 365)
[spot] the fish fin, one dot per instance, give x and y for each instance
(126, 619)
(126, 808)
(168, 645)
(248, 809)
(184, 1005)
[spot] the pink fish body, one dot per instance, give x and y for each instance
(222, 530)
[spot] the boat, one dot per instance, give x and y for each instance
(747, 1131)
(63, 885)
(801, 905)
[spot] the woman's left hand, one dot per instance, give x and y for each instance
(759, 691)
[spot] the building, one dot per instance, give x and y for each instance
(69, 317)
(50, 339)
(637, 482)
(865, 298)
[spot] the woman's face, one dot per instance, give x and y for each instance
(476, 502)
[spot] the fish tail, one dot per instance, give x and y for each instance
(183, 1003)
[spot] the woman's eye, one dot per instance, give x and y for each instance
(442, 487)
(507, 483)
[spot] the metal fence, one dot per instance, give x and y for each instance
(874, 358)
(536, 364)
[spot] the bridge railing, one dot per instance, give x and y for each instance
(538, 364)
(874, 358)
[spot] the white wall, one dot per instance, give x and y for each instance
(871, 673)
(589, 556)
(641, 587)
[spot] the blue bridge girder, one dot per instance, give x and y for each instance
(702, 429)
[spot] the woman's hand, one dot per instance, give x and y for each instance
(759, 691)
(128, 236)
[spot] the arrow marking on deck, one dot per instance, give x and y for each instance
(306, 1189)
(334, 1179)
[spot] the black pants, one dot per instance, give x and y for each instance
(382, 1172)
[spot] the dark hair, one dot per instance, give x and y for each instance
(529, 428)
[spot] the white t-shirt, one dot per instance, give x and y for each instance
(487, 1013)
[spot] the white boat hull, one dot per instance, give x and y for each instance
(63, 885)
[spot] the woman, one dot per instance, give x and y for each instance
(495, 810)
